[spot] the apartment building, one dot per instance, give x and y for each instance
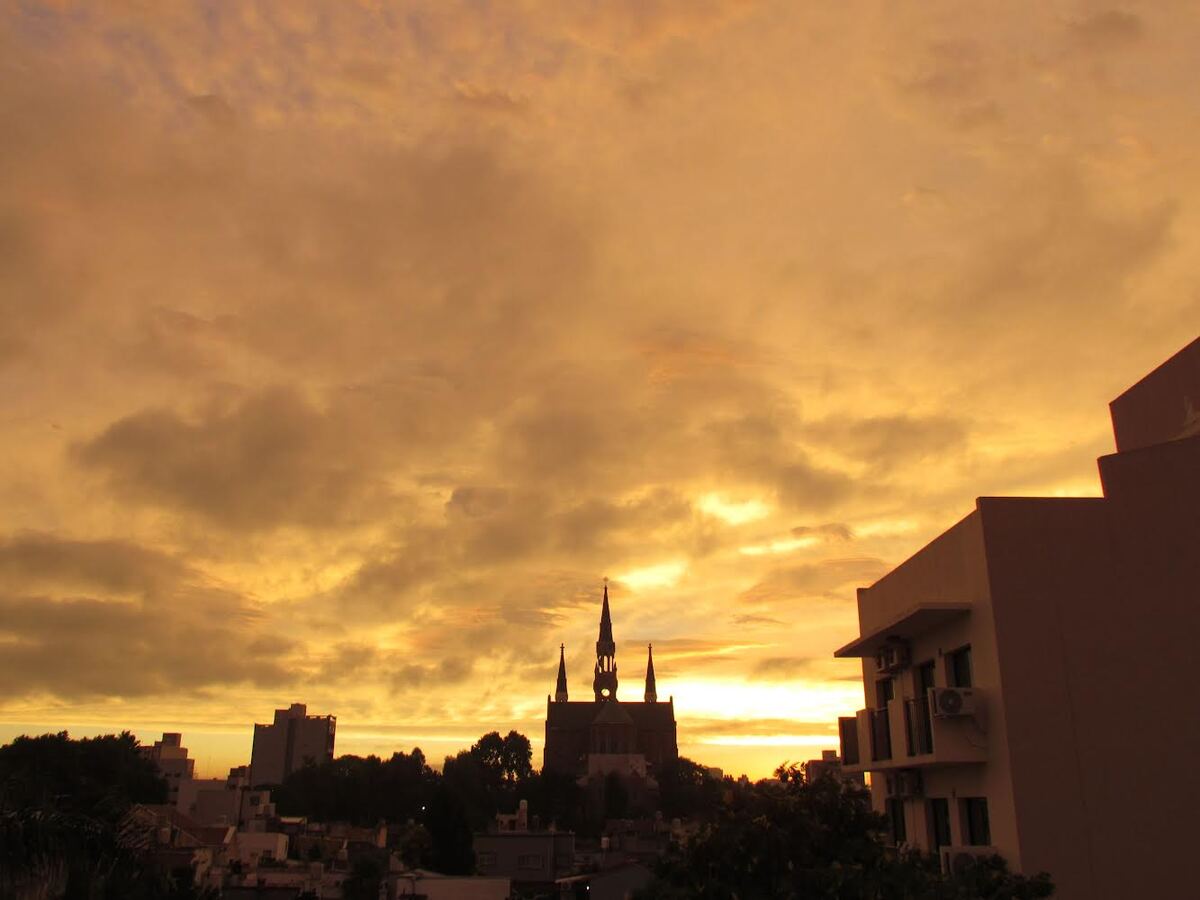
(1024, 670)
(291, 741)
(171, 758)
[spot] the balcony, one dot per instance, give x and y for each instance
(848, 733)
(905, 735)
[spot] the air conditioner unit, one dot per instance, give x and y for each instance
(948, 702)
(892, 657)
(958, 859)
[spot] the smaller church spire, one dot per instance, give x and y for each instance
(560, 690)
(651, 688)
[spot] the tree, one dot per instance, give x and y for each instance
(359, 790)
(687, 790)
(789, 839)
(516, 757)
(490, 775)
(98, 777)
(453, 851)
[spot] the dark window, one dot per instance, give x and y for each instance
(939, 822)
(530, 861)
(885, 690)
(958, 667)
(979, 832)
(895, 814)
(923, 678)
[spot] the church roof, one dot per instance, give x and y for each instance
(612, 713)
(581, 714)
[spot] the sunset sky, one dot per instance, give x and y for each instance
(346, 347)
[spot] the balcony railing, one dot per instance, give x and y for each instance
(918, 726)
(848, 732)
(881, 735)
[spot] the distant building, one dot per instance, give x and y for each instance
(171, 758)
(830, 766)
(530, 859)
(217, 801)
(418, 883)
(617, 883)
(1022, 668)
(600, 736)
(292, 740)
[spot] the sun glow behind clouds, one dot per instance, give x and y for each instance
(802, 701)
(786, 546)
(733, 512)
(661, 575)
(769, 740)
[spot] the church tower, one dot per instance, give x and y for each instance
(605, 681)
(592, 739)
(560, 689)
(651, 688)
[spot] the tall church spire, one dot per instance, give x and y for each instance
(606, 635)
(651, 688)
(560, 689)
(604, 684)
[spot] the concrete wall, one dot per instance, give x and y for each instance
(1050, 570)
(1163, 406)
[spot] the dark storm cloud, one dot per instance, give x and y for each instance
(81, 635)
(81, 648)
(829, 579)
(746, 726)
(1110, 29)
(789, 668)
(270, 459)
(446, 673)
(887, 441)
(756, 620)
(764, 448)
(835, 531)
(35, 562)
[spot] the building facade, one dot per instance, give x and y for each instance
(171, 758)
(290, 742)
(602, 735)
(1022, 670)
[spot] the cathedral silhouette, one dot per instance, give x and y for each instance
(604, 736)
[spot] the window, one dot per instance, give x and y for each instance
(895, 814)
(485, 858)
(975, 816)
(529, 861)
(923, 679)
(939, 823)
(885, 690)
(958, 667)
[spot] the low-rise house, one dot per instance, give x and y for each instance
(616, 883)
(434, 886)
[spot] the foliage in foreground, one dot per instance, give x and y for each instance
(788, 839)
